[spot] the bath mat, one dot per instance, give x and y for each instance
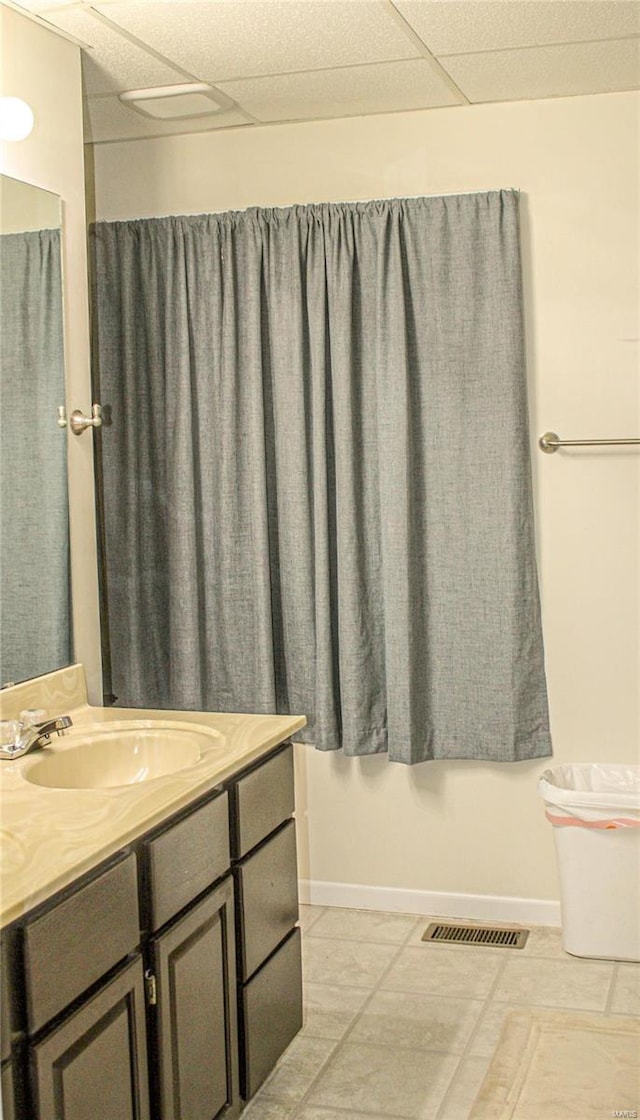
(561, 1065)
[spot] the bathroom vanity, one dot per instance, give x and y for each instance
(153, 971)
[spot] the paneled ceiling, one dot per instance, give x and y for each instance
(295, 60)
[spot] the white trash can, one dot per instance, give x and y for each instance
(595, 813)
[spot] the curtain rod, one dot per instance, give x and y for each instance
(550, 442)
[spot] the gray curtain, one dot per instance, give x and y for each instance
(317, 490)
(35, 635)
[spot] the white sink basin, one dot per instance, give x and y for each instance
(120, 753)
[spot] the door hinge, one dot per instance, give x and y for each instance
(150, 988)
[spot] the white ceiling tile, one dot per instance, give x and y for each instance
(309, 59)
(452, 27)
(228, 39)
(559, 71)
(106, 118)
(37, 5)
(112, 64)
(380, 88)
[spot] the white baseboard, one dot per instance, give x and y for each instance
(488, 908)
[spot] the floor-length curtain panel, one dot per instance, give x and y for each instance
(35, 631)
(316, 478)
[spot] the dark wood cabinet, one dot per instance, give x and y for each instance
(184, 859)
(262, 799)
(8, 1091)
(266, 878)
(267, 889)
(166, 983)
(194, 1012)
(10, 1035)
(188, 943)
(94, 1064)
(59, 965)
(271, 1012)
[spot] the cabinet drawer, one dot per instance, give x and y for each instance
(263, 800)
(187, 858)
(268, 898)
(272, 1014)
(77, 941)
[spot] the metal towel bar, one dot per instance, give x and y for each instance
(550, 442)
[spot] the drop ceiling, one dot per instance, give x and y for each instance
(299, 60)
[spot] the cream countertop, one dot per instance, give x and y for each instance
(49, 837)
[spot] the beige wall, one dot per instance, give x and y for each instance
(23, 207)
(44, 69)
(475, 828)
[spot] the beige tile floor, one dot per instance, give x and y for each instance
(396, 1028)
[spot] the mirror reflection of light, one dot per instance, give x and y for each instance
(16, 118)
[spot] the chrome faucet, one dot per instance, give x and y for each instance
(18, 738)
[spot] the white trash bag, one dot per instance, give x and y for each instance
(595, 812)
(592, 795)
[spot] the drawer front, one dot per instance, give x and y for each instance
(268, 893)
(77, 941)
(188, 858)
(271, 1013)
(263, 800)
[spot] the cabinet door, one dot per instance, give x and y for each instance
(5, 998)
(196, 1034)
(7, 1111)
(95, 1064)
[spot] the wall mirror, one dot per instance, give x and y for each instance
(35, 614)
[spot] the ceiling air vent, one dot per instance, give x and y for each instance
(168, 103)
(476, 935)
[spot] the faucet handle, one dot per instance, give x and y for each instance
(9, 731)
(31, 717)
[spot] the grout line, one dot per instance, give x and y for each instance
(296, 1108)
(332, 984)
(527, 1005)
(488, 1003)
(344, 1038)
(348, 1112)
(356, 940)
(405, 943)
